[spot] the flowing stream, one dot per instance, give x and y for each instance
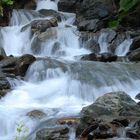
(57, 83)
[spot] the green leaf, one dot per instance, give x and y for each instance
(113, 23)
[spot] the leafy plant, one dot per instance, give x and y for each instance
(125, 7)
(4, 3)
(21, 131)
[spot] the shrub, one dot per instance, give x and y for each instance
(4, 3)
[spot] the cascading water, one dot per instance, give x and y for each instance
(57, 85)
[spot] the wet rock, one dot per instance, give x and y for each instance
(15, 65)
(104, 57)
(120, 37)
(113, 104)
(132, 19)
(4, 84)
(136, 43)
(117, 106)
(138, 96)
(36, 114)
(134, 55)
(2, 54)
(38, 26)
(68, 121)
(8, 62)
(132, 134)
(124, 122)
(43, 25)
(97, 9)
(57, 133)
(67, 6)
(89, 25)
(90, 41)
(89, 57)
(50, 12)
(24, 4)
(23, 63)
(108, 57)
(4, 92)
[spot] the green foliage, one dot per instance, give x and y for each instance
(4, 3)
(21, 132)
(126, 6)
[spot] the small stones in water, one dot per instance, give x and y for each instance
(36, 114)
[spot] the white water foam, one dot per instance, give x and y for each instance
(124, 47)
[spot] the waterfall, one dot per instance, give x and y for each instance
(57, 83)
(123, 48)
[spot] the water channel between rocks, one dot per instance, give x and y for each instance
(57, 83)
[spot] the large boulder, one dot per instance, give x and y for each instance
(113, 104)
(58, 133)
(110, 113)
(95, 9)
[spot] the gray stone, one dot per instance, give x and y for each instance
(113, 104)
(56, 133)
(134, 55)
(89, 25)
(2, 54)
(36, 114)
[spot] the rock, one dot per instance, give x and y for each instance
(43, 25)
(24, 4)
(136, 43)
(132, 134)
(50, 12)
(23, 63)
(89, 57)
(90, 41)
(36, 114)
(123, 122)
(67, 6)
(8, 62)
(4, 85)
(108, 57)
(120, 37)
(102, 10)
(56, 133)
(110, 113)
(134, 55)
(4, 92)
(138, 96)
(89, 25)
(38, 26)
(132, 20)
(104, 57)
(113, 104)
(68, 121)
(2, 54)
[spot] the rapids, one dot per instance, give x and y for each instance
(59, 85)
